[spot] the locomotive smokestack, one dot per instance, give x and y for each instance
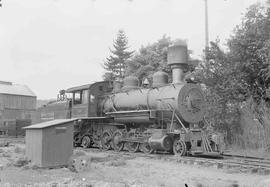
(178, 60)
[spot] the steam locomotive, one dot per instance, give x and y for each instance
(165, 116)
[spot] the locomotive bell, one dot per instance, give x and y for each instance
(178, 60)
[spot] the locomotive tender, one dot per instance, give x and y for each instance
(163, 117)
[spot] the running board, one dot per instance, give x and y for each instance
(133, 116)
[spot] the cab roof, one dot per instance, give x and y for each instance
(78, 88)
(82, 87)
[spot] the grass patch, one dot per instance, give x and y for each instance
(254, 139)
(117, 163)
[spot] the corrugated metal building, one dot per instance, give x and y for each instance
(17, 102)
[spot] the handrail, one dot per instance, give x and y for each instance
(181, 123)
(172, 120)
(175, 115)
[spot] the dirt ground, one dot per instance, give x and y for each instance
(111, 169)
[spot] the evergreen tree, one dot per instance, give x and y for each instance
(115, 64)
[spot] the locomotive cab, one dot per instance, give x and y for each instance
(90, 123)
(85, 98)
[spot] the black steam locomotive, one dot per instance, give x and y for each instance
(161, 117)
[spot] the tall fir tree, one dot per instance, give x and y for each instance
(115, 64)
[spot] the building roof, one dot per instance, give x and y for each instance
(15, 89)
(49, 123)
(77, 88)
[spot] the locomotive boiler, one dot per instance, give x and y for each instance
(161, 117)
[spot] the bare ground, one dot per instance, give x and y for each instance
(110, 169)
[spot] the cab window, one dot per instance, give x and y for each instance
(80, 97)
(77, 97)
(92, 98)
(85, 97)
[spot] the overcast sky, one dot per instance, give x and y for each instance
(56, 44)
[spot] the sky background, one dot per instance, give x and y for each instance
(56, 44)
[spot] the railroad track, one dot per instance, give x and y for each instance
(245, 164)
(231, 163)
(235, 165)
(263, 162)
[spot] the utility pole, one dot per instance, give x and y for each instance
(206, 25)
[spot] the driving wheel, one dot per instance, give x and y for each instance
(117, 144)
(132, 146)
(86, 141)
(106, 140)
(146, 148)
(179, 147)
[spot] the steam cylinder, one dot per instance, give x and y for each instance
(163, 143)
